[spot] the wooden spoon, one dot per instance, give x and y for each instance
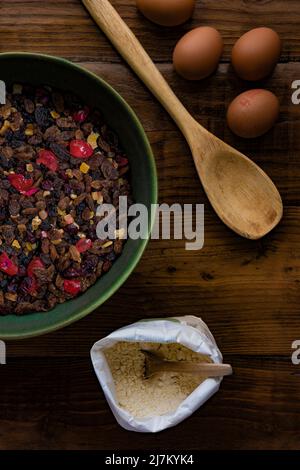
(155, 365)
(243, 196)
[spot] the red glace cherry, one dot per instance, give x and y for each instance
(84, 244)
(7, 265)
(81, 149)
(81, 115)
(72, 287)
(34, 263)
(48, 159)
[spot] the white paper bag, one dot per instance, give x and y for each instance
(189, 331)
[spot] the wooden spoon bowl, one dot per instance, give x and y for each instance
(240, 192)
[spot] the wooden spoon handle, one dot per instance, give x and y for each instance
(133, 52)
(207, 370)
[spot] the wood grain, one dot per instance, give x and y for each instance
(247, 292)
(57, 404)
(64, 27)
(245, 198)
(207, 101)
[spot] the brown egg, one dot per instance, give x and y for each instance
(253, 113)
(197, 54)
(167, 12)
(256, 53)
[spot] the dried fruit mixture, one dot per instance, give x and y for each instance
(58, 162)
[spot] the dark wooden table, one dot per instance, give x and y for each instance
(247, 292)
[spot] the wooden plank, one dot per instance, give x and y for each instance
(277, 152)
(65, 28)
(248, 293)
(58, 404)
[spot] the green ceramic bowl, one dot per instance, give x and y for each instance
(41, 69)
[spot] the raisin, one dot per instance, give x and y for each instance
(29, 105)
(45, 225)
(108, 170)
(25, 152)
(72, 229)
(66, 123)
(52, 134)
(14, 205)
(42, 116)
(60, 151)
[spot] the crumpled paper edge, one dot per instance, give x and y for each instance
(189, 331)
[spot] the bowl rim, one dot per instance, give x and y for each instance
(135, 258)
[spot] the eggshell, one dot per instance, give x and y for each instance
(253, 113)
(197, 54)
(256, 53)
(167, 12)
